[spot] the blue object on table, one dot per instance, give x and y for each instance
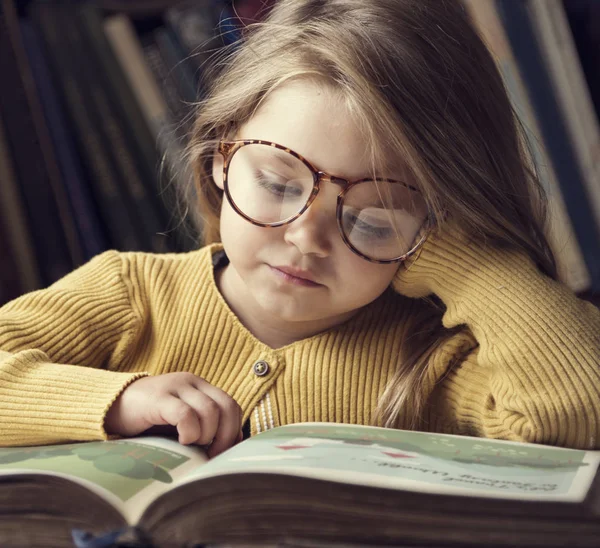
(83, 539)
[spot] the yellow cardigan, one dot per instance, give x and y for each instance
(525, 367)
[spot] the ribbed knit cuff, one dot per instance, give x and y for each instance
(492, 290)
(44, 403)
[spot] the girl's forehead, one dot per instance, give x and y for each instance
(315, 121)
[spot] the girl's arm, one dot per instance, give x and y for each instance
(535, 372)
(60, 349)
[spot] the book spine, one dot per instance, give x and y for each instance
(85, 214)
(62, 206)
(107, 192)
(571, 265)
(580, 16)
(562, 60)
(529, 57)
(17, 230)
(195, 27)
(33, 155)
(176, 62)
(111, 125)
(126, 44)
(137, 131)
(10, 283)
(166, 84)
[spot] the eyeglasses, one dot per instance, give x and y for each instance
(269, 185)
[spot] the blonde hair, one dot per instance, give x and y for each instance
(418, 78)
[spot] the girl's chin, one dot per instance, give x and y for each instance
(288, 308)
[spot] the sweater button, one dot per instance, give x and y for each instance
(260, 368)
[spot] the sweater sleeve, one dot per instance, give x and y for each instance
(534, 375)
(60, 351)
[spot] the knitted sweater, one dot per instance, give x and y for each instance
(524, 367)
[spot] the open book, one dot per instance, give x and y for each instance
(314, 483)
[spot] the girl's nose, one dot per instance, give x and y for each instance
(314, 231)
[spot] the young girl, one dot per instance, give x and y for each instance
(382, 259)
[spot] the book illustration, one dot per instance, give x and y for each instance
(106, 464)
(446, 449)
(415, 460)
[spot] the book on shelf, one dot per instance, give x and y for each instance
(10, 283)
(528, 50)
(552, 30)
(180, 68)
(309, 483)
(178, 111)
(105, 87)
(583, 17)
(202, 28)
(84, 210)
(55, 239)
(67, 66)
(135, 129)
(174, 172)
(16, 231)
(571, 263)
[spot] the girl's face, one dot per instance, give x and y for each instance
(303, 271)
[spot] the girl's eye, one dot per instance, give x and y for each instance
(362, 228)
(276, 185)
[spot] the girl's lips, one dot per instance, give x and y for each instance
(293, 276)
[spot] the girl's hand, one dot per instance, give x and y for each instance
(444, 264)
(458, 268)
(408, 281)
(202, 414)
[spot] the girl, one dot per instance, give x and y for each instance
(382, 259)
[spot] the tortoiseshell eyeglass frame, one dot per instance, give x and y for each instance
(228, 148)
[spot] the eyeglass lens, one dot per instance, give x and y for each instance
(379, 219)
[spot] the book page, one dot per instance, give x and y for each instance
(128, 473)
(416, 461)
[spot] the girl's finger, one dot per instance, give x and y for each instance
(230, 421)
(208, 412)
(172, 410)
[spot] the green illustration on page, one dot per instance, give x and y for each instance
(122, 467)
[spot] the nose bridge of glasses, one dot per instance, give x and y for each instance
(324, 198)
(327, 178)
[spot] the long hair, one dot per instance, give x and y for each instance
(419, 80)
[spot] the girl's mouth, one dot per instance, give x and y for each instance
(295, 276)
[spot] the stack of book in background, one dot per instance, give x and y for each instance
(97, 101)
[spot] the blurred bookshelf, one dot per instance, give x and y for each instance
(96, 104)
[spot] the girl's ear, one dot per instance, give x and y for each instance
(217, 169)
